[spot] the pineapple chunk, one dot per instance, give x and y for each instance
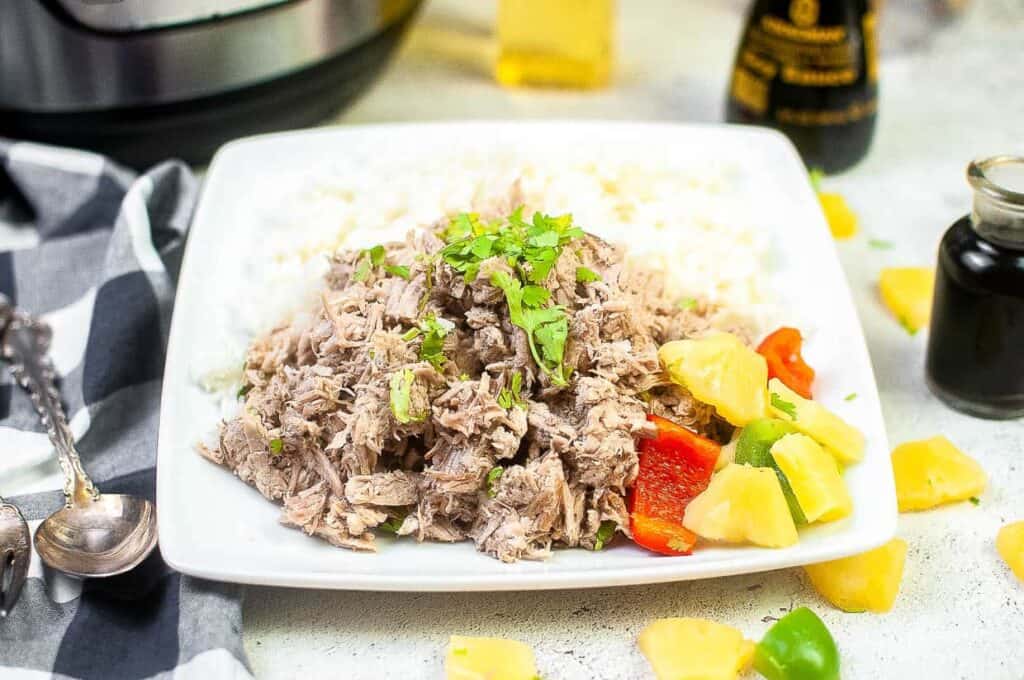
(742, 504)
(720, 370)
(839, 438)
(865, 582)
(907, 292)
(695, 649)
(842, 221)
(1010, 544)
(814, 477)
(933, 471)
(472, 658)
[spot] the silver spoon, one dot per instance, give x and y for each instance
(14, 555)
(93, 535)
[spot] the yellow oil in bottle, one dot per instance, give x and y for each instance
(555, 43)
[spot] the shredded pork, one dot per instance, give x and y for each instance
(318, 434)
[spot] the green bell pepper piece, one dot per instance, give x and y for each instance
(754, 448)
(797, 647)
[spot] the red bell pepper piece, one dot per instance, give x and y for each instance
(781, 350)
(675, 467)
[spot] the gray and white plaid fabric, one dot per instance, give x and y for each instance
(94, 250)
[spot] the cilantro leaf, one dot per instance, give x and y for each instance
(535, 296)
(605, 532)
(687, 303)
(850, 397)
(787, 407)
(362, 269)
(880, 244)
(492, 480)
(511, 396)
(376, 254)
(374, 257)
(974, 500)
(434, 332)
(243, 390)
(586, 275)
(398, 270)
(392, 524)
(276, 446)
(401, 397)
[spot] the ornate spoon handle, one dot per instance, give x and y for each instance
(24, 344)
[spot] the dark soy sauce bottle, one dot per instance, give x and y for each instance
(975, 360)
(809, 68)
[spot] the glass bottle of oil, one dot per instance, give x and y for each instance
(809, 69)
(555, 43)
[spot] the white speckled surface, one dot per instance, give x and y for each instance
(958, 94)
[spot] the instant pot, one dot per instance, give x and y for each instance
(143, 80)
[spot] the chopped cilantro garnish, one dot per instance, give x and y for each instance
(850, 397)
(604, 534)
(531, 250)
(463, 377)
(787, 407)
(687, 303)
(586, 275)
(879, 244)
(376, 257)
(492, 480)
(397, 270)
(547, 328)
(434, 332)
(368, 259)
(535, 296)
(974, 500)
(276, 446)
(401, 397)
(510, 396)
(243, 390)
(392, 524)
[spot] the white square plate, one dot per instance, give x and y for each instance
(212, 525)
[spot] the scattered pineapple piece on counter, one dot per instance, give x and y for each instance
(866, 582)
(814, 477)
(933, 471)
(839, 438)
(695, 649)
(907, 292)
(842, 221)
(1010, 544)
(718, 369)
(474, 658)
(742, 504)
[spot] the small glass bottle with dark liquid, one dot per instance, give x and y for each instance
(975, 360)
(810, 70)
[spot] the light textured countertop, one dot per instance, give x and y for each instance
(947, 97)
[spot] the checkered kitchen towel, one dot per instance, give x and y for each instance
(94, 250)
